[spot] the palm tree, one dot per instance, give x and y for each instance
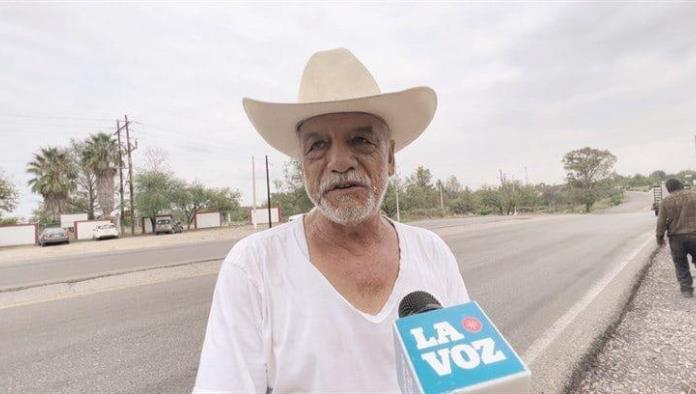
(54, 178)
(100, 154)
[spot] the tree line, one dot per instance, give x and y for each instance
(590, 178)
(81, 178)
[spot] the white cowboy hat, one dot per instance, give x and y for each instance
(336, 81)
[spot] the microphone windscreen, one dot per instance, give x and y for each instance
(417, 302)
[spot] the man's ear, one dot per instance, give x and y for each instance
(391, 161)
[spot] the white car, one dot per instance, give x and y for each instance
(105, 231)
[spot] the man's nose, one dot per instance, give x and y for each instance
(341, 159)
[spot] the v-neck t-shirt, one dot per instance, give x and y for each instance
(277, 324)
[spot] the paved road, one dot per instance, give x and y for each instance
(526, 273)
(25, 273)
(59, 269)
(37, 271)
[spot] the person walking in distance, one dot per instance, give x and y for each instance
(677, 217)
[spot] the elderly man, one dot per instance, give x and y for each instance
(678, 218)
(308, 306)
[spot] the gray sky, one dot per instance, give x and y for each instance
(518, 85)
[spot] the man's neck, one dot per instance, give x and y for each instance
(363, 234)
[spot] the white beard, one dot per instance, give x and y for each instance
(355, 213)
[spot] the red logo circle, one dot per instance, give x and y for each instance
(472, 324)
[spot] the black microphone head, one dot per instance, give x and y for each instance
(417, 302)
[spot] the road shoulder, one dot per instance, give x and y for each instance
(653, 348)
(556, 357)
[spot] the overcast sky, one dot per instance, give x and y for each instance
(518, 85)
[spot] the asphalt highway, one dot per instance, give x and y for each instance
(32, 272)
(525, 272)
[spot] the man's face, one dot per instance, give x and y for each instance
(347, 159)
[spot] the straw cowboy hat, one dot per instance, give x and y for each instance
(336, 81)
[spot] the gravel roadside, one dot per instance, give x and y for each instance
(653, 349)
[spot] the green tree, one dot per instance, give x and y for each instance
(552, 196)
(54, 179)
(464, 203)
(419, 191)
(8, 195)
(586, 169)
(686, 176)
(529, 198)
(153, 193)
(100, 155)
(188, 198)
(658, 176)
(291, 196)
(84, 198)
(389, 202)
(224, 200)
(452, 188)
(491, 200)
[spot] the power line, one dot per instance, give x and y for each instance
(55, 117)
(17, 130)
(10, 122)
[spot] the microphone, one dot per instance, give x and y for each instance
(453, 349)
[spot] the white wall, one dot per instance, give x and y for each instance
(84, 230)
(68, 221)
(261, 216)
(23, 234)
(207, 219)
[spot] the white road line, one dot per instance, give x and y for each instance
(550, 335)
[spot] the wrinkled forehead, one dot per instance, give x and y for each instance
(343, 122)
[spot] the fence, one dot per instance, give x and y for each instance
(85, 228)
(19, 234)
(207, 220)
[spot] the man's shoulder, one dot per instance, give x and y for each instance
(257, 246)
(419, 236)
(681, 195)
(415, 231)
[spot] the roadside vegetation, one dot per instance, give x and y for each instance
(591, 183)
(8, 199)
(83, 177)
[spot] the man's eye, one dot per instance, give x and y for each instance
(317, 145)
(360, 140)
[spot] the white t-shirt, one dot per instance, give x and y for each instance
(276, 324)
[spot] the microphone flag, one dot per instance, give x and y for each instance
(456, 349)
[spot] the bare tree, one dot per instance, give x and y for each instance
(156, 160)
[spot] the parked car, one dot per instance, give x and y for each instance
(53, 236)
(167, 226)
(105, 231)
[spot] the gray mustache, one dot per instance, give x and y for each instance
(334, 180)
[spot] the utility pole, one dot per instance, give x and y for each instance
(694, 141)
(253, 186)
(526, 176)
(131, 148)
(396, 189)
(268, 193)
(120, 174)
(442, 201)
